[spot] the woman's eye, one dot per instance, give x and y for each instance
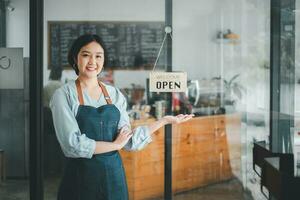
(85, 55)
(98, 56)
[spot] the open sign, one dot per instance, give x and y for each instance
(168, 81)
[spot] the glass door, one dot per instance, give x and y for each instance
(225, 49)
(295, 132)
(132, 32)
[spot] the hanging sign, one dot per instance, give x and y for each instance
(168, 81)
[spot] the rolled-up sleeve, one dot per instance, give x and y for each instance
(140, 139)
(73, 143)
(141, 134)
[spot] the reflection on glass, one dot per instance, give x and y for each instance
(132, 33)
(296, 138)
(14, 93)
(225, 51)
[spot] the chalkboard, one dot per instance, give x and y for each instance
(129, 45)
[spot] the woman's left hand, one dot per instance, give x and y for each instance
(169, 119)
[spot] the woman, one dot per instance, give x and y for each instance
(91, 125)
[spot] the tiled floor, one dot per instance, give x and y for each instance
(229, 190)
(14, 190)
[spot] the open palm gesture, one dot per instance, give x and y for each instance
(169, 119)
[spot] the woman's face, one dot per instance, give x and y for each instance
(90, 60)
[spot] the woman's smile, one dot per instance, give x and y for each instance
(91, 68)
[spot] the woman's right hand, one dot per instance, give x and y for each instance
(124, 135)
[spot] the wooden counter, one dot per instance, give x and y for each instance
(200, 156)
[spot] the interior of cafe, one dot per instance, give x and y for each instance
(242, 88)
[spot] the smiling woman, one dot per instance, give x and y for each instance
(88, 61)
(129, 29)
(92, 127)
(87, 52)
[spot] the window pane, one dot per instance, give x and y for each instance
(132, 32)
(224, 47)
(14, 99)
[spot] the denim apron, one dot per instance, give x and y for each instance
(102, 177)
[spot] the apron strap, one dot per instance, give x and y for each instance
(80, 97)
(106, 95)
(79, 92)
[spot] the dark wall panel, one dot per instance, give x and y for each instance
(12, 131)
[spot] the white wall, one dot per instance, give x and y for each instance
(195, 25)
(196, 50)
(17, 31)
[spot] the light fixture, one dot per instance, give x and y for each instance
(8, 6)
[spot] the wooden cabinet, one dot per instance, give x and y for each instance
(200, 156)
(200, 153)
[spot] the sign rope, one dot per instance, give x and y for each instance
(168, 31)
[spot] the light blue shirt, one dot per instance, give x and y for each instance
(64, 106)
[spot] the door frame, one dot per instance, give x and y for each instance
(36, 172)
(36, 9)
